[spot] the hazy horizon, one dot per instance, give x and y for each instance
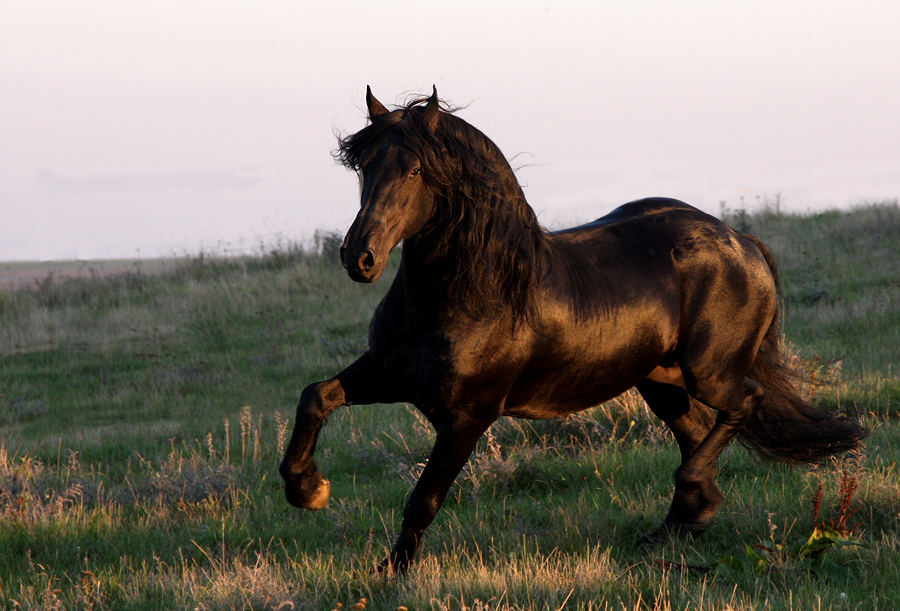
(137, 131)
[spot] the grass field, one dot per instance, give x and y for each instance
(143, 415)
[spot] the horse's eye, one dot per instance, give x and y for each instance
(414, 173)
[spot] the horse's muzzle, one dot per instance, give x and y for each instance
(361, 265)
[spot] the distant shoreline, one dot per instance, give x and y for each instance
(22, 274)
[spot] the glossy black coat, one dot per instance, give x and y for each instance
(491, 316)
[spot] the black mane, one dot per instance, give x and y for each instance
(491, 244)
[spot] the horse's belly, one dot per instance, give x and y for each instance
(542, 410)
(566, 392)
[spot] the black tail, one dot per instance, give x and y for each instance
(785, 427)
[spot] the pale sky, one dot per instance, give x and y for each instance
(140, 129)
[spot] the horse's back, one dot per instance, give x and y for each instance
(645, 207)
(665, 252)
(638, 232)
(637, 215)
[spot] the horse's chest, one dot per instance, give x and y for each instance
(436, 366)
(419, 362)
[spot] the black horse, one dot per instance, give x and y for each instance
(491, 316)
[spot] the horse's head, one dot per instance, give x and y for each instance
(395, 199)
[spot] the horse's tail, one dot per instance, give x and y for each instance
(785, 427)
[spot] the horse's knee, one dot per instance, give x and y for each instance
(735, 401)
(754, 393)
(320, 399)
(744, 404)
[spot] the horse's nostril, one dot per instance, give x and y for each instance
(367, 260)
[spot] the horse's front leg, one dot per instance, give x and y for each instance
(361, 382)
(456, 438)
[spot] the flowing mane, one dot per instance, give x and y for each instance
(493, 255)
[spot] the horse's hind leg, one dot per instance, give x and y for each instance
(695, 478)
(694, 502)
(689, 420)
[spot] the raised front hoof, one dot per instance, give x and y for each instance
(308, 494)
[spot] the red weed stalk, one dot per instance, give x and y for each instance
(841, 524)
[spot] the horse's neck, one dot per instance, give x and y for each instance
(421, 271)
(418, 290)
(479, 273)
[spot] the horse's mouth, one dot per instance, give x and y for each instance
(364, 276)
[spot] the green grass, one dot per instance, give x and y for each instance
(840, 276)
(143, 415)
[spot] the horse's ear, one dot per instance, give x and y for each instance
(432, 109)
(376, 108)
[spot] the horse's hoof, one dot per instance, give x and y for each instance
(299, 494)
(397, 564)
(669, 530)
(320, 497)
(653, 537)
(386, 568)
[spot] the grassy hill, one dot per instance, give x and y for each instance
(143, 415)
